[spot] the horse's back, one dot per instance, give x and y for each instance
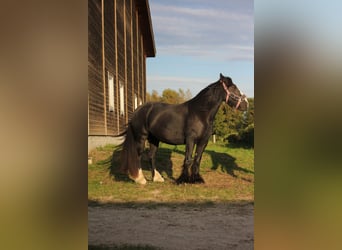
(142, 115)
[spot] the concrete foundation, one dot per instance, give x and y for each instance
(98, 141)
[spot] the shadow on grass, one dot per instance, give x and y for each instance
(227, 164)
(163, 164)
(239, 145)
(113, 165)
(225, 161)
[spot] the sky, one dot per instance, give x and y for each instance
(196, 40)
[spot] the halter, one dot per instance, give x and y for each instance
(235, 97)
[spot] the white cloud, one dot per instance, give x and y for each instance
(197, 39)
(221, 33)
(200, 12)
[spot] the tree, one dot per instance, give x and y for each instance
(155, 96)
(220, 123)
(184, 96)
(235, 126)
(170, 96)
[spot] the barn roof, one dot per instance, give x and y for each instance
(146, 27)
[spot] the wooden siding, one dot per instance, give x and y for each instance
(128, 33)
(95, 80)
(120, 25)
(116, 46)
(110, 62)
(135, 51)
(140, 65)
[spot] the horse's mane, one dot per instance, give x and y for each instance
(208, 94)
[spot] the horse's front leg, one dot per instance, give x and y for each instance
(195, 177)
(184, 177)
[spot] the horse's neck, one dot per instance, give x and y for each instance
(213, 111)
(207, 107)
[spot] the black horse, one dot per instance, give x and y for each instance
(189, 123)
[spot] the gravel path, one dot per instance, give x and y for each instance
(220, 226)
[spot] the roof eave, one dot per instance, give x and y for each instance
(146, 28)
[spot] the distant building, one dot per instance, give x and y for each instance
(120, 37)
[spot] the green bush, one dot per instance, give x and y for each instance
(245, 137)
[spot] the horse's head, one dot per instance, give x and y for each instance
(234, 97)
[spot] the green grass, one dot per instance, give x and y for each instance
(228, 174)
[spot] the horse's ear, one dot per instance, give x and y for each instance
(221, 76)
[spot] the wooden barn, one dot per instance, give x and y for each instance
(120, 37)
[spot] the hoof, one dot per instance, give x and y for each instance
(196, 179)
(141, 179)
(182, 179)
(157, 177)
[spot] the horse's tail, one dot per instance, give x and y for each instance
(130, 161)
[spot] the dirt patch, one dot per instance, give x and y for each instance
(215, 226)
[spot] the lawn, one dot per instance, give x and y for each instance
(228, 173)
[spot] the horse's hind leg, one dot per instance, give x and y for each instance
(154, 143)
(140, 148)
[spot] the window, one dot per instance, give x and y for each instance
(122, 98)
(110, 92)
(135, 101)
